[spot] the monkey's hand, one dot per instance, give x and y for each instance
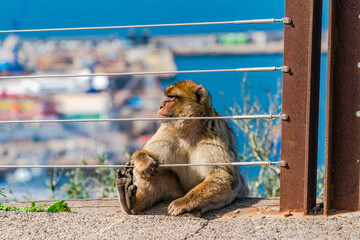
(144, 164)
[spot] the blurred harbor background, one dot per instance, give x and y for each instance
(132, 50)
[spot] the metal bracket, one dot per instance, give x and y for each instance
(285, 69)
(286, 20)
(284, 116)
(283, 163)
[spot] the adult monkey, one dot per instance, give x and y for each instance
(196, 189)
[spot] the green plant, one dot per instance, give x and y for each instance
(27, 196)
(60, 206)
(261, 140)
(81, 185)
(105, 178)
(2, 192)
(11, 191)
(78, 185)
(31, 208)
(53, 181)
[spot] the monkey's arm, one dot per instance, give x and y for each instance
(157, 150)
(144, 163)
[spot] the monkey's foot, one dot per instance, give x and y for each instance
(178, 207)
(126, 189)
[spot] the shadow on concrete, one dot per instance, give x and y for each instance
(237, 205)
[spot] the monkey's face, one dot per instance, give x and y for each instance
(167, 107)
(186, 99)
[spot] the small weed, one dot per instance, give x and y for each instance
(81, 185)
(27, 196)
(60, 206)
(11, 191)
(105, 178)
(78, 185)
(53, 181)
(2, 192)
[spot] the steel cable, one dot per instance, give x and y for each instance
(235, 117)
(255, 21)
(255, 69)
(257, 163)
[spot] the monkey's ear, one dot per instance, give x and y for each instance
(201, 94)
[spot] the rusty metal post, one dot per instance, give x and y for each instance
(301, 102)
(342, 149)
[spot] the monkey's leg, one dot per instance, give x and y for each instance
(214, 192)
(137, 193)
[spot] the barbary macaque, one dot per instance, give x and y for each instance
(193, 189)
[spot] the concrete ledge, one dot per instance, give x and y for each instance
(244, 219)
(241, 208)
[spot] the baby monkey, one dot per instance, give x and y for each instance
(195, 189)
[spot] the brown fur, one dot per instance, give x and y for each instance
(195, 189)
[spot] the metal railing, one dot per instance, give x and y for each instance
(300, 98)
(284, 69)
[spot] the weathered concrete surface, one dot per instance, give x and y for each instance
(241, 208)
(244, 219)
